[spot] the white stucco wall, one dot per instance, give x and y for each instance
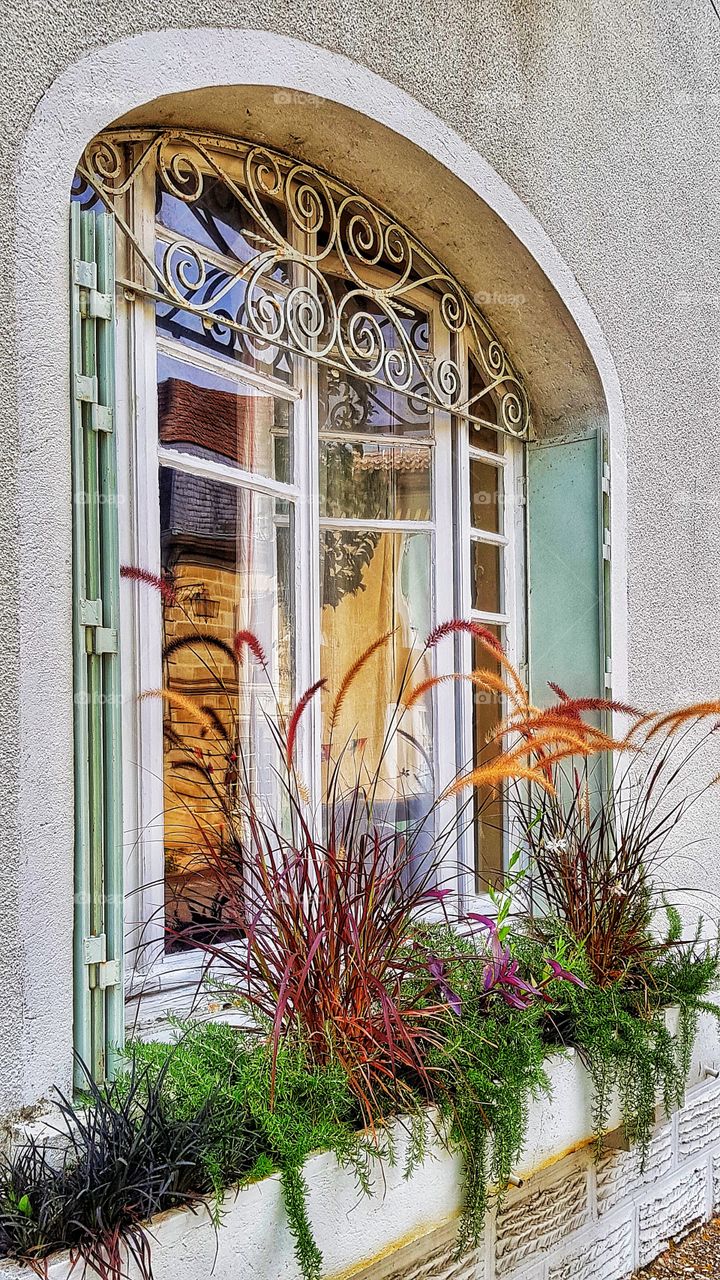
(589, 130)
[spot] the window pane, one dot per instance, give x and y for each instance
(489, 811)
(349, 403)
(374, 481)
(214, 417)
(486, 576)
(485, 496)
(220, 222)
(371, 583)
(229, 552)
(375, 345)
(482, 406)
(222, 297)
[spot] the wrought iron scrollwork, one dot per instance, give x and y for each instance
(297, 231)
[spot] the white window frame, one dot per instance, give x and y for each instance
(156, 976)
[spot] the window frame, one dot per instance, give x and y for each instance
(152, 973)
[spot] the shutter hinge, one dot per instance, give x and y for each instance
(102, 639)
(86, 389)
(90, 613)
(606, 477)
(108, 972)
(105, 640)
(92, 304)
(608, 673)
(607, 544)
(84, 273)
(98, 306)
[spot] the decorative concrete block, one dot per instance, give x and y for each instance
(716, 1182)
(536, 1220)
(671, 1212)
(620, 1174)
(607, 1254)
(433, 1257)
(699, 1122)
(526, 1272)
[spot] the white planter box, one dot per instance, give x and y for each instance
(351, 1229)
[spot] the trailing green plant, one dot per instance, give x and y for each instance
(274, 1109)
(623, 1030)
(490, 1053)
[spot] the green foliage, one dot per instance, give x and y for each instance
(491, 1059)
(621, 1029)
(219, 1107)
(265, 1112)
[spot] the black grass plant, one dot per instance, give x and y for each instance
(127, 1156)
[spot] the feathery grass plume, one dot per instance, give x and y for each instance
(196, 640)
(456, 626)
(500, 770)
(541, 723)
(164, 586)
(294, 721)
(575, 706)
(491, 644)
(353, 672)
(481, 679)
(419, 690)
(675, 720)
(248, 639)
(593, 858)
(182, 703)
(566, 742)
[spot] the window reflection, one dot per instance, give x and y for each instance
(229, 552)
(488, 826)
(371, 481)
(372, 582)
(203, 414)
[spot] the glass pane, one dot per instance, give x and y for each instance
(220, 222)
(371, 583)
(213, 417)
(482, 406)
(222, 297)
(229, 552)
(489, 811)
(374, 481)
(375, 344)
(349, 403)
(486, 576)
(485, 496)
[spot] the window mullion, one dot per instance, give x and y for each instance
(308, 598)
(147, 902)
(443, 593)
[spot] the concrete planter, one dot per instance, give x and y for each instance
(406, 1226)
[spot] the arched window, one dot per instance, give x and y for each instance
(319, 440)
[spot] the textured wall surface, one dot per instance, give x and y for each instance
(603, 119)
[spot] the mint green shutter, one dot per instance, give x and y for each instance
(568, 568)
(98, 940)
